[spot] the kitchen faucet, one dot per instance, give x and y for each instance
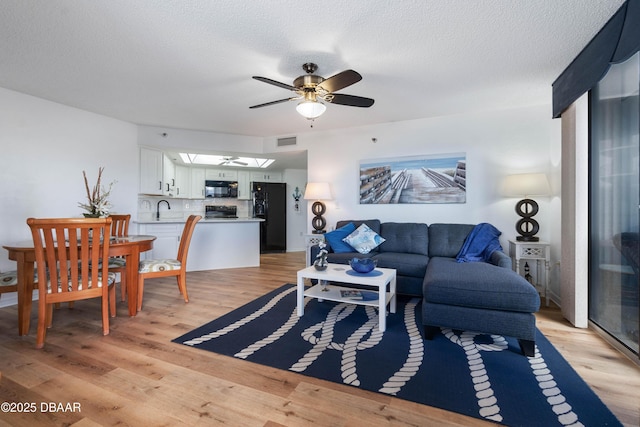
(158, 208)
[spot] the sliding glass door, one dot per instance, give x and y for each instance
(615, 204)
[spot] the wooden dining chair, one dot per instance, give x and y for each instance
(118, 264)
(169, 267)
(66, 249)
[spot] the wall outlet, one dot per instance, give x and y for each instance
(186, 205)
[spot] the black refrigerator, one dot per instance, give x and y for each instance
(270, 204)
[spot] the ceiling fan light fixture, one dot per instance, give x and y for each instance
(311, 109)
(310, 89)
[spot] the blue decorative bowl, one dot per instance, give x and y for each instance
(363, 265)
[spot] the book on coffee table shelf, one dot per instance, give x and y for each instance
(351, 294)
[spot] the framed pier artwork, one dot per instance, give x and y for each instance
(418, 179)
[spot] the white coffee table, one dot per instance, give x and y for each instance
(379, 279)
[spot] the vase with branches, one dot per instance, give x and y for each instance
(98, 204)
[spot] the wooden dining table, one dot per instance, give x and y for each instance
(24, 254)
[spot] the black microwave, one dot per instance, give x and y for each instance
(213, 189)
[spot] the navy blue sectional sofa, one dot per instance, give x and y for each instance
(486, 297)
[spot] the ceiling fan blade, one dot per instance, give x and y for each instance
(275, 83)
(340, 81)
(240, 163)
(351, 100)
(272, 102)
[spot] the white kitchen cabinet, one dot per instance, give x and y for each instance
(183, 182)
(197, 183)
(151, 171)
(167, 239)
(221, 174)
(168, 176)
(266, 176)
(244, 186)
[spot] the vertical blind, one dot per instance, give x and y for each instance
(616, 42)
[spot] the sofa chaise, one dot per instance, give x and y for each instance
(485, 296)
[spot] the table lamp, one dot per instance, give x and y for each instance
(318, 191)
(526, 185)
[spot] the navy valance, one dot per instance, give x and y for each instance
(616, 42)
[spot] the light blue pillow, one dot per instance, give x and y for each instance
(364, 239)
(335, 238)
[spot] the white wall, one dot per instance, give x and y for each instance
(496, 144)
(575, 208)
(45, 148)
(296, 220)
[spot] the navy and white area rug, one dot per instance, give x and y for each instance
(477, 375)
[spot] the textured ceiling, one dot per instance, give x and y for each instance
(188, 64)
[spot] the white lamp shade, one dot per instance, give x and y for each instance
(310, 109)
(317, 191)
(526, 184)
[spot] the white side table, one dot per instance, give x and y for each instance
(540, 252)
(310, 240)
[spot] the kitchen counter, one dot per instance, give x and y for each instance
(215, 244)
(202, 221)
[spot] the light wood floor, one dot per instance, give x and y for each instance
(136, 377)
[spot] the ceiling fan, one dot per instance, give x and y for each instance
(311, 89)
(234, 160)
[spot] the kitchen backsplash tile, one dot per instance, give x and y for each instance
(182, 208)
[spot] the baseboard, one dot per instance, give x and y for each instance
(8, 300)
(553, 297)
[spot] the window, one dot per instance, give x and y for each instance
(614, 203)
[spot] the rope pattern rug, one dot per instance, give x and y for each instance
(483, 376)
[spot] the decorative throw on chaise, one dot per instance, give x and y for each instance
(480, 244)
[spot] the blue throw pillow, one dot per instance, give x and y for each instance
(364, 239)
(334, 238)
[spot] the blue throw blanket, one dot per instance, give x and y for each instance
(480, 244)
